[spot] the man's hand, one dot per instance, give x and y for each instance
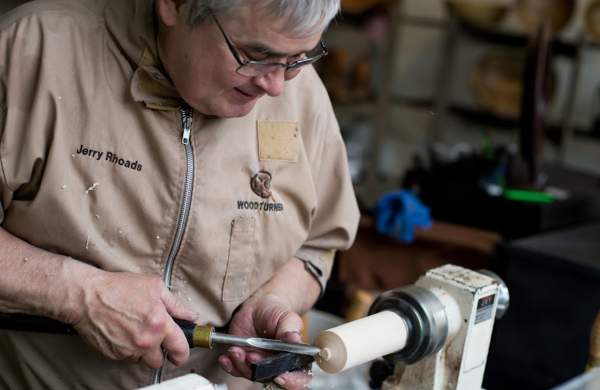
(267, 316)
(130, 316)
(124, 315)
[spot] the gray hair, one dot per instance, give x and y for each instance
(304, 17)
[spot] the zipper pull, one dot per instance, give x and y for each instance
(186, 121)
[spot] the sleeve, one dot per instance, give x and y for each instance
(20, 60)
(4, 193)
(335, 221)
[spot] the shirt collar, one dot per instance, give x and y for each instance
(132, 25)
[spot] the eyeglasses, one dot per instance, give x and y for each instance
(250, 68)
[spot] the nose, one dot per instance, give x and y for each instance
(272, 83)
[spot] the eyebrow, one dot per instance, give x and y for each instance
(270, 52)
(262, 48)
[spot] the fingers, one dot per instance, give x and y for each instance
(175, 308)
(237, 356)
(292, 337)
(295, 380)
(227, 365)
(153, 358)
(175, 344)
(130, 316)
(236, 361)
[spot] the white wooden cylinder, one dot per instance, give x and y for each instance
(360, 341)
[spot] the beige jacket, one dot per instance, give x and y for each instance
(93, 166)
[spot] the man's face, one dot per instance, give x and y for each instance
(203, 69)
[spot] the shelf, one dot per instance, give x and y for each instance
(504, 38)
(560, 46)
(474, 115)
(423, 21)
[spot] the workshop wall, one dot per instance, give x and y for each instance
(418, 56)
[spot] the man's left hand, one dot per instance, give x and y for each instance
(266, 316)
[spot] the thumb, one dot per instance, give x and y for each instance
(175, 308)
(289, 322)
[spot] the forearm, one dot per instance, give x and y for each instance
(35, 281)
(294, 284)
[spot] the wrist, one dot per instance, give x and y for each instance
(266, 295)
(294, 285)
(76, 279)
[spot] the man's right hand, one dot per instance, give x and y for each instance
(124, 315)
(130, 316)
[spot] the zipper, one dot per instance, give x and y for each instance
(184, 211)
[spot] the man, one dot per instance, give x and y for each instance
(153, 166)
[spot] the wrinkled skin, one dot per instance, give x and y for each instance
(130, 316)
(267, 316)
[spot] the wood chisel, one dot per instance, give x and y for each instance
(205, 336)
(293, 356)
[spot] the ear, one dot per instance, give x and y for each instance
(168, 11)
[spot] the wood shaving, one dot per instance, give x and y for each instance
(92, 188)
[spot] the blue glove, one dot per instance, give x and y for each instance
(398, 213)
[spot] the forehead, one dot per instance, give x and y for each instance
(249, 25)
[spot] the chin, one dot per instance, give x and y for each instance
(225, 108)
(233, 110)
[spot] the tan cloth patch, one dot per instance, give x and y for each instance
(327, 258)
(278, 141)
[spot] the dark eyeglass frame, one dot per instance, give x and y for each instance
(251, 68)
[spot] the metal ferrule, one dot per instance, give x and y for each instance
(203, 336)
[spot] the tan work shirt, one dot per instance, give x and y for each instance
(93, 166)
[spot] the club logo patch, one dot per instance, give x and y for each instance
(261, 184)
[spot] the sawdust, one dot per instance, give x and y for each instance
(92, 188)
(25, 259)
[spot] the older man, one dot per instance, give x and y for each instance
(153, 166)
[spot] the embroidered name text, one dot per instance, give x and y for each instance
(110, 157)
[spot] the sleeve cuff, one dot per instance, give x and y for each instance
(318, 263)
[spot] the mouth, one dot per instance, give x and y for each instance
(247, 96)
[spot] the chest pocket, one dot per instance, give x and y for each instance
(240, 263)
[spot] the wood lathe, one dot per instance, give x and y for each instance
(437, 331)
